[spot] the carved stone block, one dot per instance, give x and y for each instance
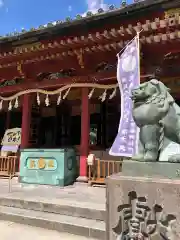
(142, 208)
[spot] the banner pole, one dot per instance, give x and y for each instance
(139, 53)
(139, 77)
(136, 37)
(126, 45)
(138, 48)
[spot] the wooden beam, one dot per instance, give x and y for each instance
(103, 77)
(57, 83)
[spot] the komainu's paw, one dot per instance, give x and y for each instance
(174, 158)
(138, 157)
(150, 157)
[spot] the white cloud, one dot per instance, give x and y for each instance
(94, 5)
(1, 3)
(69, 8)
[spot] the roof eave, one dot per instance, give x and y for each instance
(117, 12)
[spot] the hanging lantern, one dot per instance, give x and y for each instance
(10, 106)
(47, 101)
(91, 93)
(59, 99)
(38, 99)
(16, 105)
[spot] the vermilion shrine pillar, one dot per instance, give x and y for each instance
(85, 127)
(26, 120)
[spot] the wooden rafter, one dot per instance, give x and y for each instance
(155, 30)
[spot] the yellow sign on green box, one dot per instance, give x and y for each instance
(47, 164)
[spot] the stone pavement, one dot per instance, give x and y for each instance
(10, 230)
(77, 194)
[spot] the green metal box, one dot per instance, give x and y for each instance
(48, 166)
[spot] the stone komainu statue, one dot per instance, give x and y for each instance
(158, 116)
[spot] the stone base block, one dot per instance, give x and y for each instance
(149, 169)
(142, 208)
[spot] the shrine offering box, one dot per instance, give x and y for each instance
(48, 166)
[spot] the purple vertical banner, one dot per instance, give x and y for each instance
(128, 77)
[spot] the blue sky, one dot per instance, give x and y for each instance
(18, 14)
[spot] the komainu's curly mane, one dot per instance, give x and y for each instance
(154, 92)
(157, 100)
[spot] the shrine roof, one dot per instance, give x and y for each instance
(54, 28)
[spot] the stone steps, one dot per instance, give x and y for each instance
(64, 217)
(63, 207)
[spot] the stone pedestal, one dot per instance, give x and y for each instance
(144, 201)
(151, 169)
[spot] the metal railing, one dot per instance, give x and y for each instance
(8, 168)
(101, 169)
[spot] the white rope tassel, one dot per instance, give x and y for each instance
(67, 92)
(59, 98)
(38, 99)
(113, 94)
(47, 102)
(1, 104)
(10, 106)
(103, 96)
(16, 105)
(91, 93)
